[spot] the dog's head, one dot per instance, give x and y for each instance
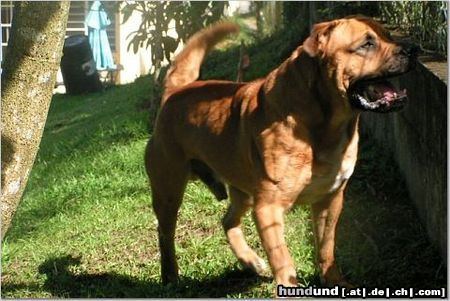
(360, 59)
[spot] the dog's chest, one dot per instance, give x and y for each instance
(327, 179)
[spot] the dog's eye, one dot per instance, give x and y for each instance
(367, 45)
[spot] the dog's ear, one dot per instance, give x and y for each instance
(318, 38)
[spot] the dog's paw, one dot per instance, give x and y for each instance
(253, 262)
(346, 284)
(333, 277)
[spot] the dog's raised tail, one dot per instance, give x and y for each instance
(186, 66)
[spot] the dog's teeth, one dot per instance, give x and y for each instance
(366, 95)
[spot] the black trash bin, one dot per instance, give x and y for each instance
(78, 66)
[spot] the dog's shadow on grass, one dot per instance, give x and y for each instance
(62, 281)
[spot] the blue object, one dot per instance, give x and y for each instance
(97, 20)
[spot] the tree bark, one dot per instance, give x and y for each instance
(28, 78)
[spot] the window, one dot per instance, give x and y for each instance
(6, 18)
(75, 24)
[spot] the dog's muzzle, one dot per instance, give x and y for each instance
(383, 94)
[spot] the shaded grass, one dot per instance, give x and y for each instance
(381, 237)
(85, 227)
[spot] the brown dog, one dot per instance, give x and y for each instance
(291, 137)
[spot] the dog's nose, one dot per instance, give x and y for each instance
(410, 49)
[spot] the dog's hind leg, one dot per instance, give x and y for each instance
(240, 203)
(168, 179)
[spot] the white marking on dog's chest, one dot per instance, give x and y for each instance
(327, 182)
(344, 174)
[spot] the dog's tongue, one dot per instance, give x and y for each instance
(383, 90)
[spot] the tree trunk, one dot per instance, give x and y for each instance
(28, 78)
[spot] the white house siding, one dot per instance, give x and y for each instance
(134, 64)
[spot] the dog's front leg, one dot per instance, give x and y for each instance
(325, 215)
(269, 220)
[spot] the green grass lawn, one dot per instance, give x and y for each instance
(85, 227)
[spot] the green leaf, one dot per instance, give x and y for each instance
(127, 11)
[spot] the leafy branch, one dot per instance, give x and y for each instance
(161, 19)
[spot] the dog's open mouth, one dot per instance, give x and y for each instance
(377, 95)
